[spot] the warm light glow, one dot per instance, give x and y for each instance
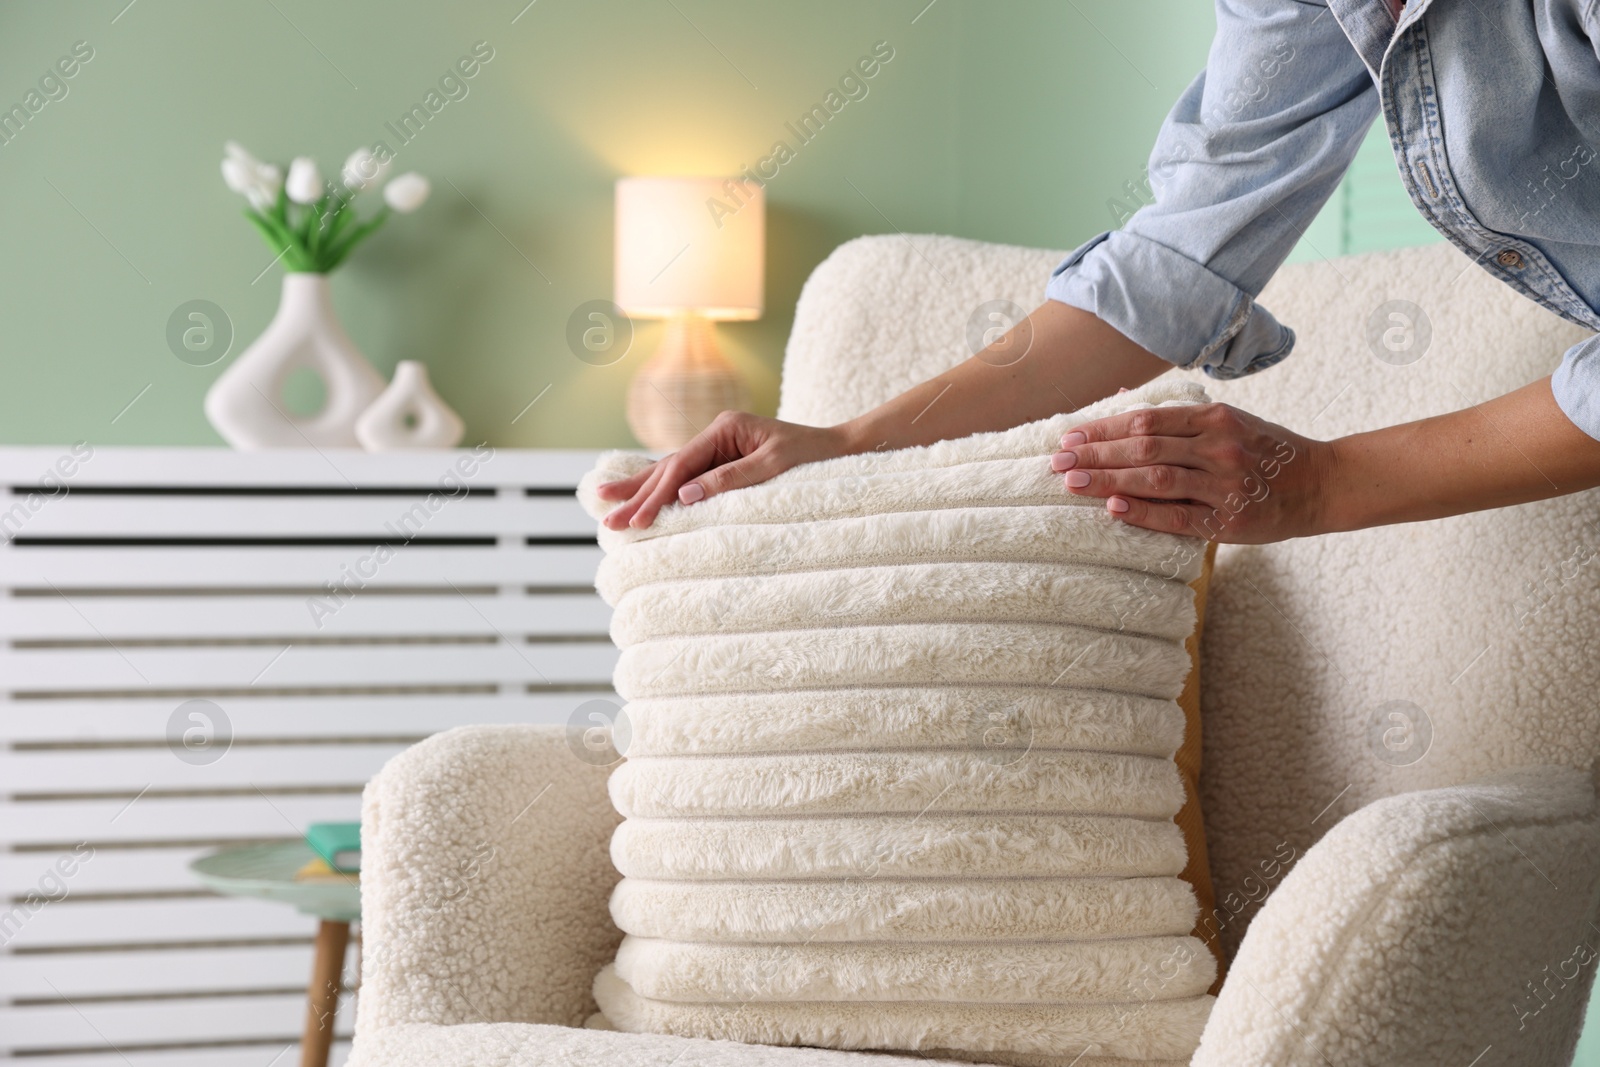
(690, 245)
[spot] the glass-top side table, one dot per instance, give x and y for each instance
(267, 872)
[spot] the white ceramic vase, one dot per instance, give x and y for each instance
(246, 403)
(409, 414)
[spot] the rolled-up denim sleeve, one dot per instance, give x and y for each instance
(1249, 154)
(1576, 385)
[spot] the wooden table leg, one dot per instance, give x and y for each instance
(322, 998)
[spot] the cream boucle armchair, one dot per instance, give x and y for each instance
(1399, 727)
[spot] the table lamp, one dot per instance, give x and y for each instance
(691, 251)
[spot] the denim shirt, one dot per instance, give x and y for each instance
(1492, 109)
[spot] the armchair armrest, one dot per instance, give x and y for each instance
(485, 881)
(1426, 928)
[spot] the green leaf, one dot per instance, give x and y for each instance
(314, 226)
(280, 239)
(307, 221)
(270, 230)
(333, 255)
(341, 218)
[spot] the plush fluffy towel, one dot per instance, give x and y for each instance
(901, 765)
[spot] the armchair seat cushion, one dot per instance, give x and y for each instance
(901, 762)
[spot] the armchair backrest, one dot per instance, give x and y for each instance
(1337, 669)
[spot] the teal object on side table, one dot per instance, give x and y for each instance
(338, 843)
(267, 872)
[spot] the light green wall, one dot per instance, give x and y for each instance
(1012, 122)
(996, 121)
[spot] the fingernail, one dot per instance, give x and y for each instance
(1063, 461)
(1077, 479)
(1076, 437)
(691, 493)
(1116, 505)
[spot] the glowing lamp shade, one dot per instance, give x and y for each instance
(690, 245)
(689, 250)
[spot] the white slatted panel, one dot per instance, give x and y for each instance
(163, 575)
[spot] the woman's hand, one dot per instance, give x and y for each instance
(736, 450)
(1206, 470)
(998, 390)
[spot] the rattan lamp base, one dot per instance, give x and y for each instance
(685, 385)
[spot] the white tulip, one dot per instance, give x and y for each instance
(240, 176)
(239, 168)
(269, 179)
(245, 174)
(236, 151)
(363, 170)
(406, 193)
(305, 181)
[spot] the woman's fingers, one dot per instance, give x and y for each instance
(1158, 515)
(622, 513)
(1205, 470)
(1130, 452)
(712, 448)
(737, 450)
(662, 491)
(751, 470)
(1157, 482)
(1184, 420)
(623, 488)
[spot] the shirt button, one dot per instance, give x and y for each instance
(1510, 258)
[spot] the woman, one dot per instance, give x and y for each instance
(1492, 107)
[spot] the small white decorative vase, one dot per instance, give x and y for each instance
(409, 414)
(246, 403)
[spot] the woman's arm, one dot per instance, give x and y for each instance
(1216, 472)
(1250, 152)
(1057, 359)
(1509, 450)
